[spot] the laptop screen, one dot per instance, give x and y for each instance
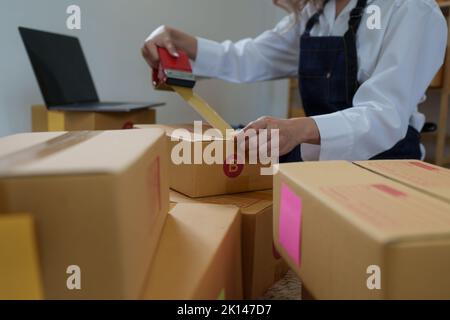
(60, 68)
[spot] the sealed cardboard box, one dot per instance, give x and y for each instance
(351, 233)
(99, 200)
(261, 264)
(195, 178)
(44, 120)
(20, 275)
(199, 255)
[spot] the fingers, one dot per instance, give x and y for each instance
(161, 37)
(150, 54)
(171, 48)
(249, 136)
(261, 123)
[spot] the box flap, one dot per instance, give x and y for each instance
(422, 176)
(385, 209)
(192, 237)
(249, 202)
(87, 152)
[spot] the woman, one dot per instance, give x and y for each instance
(360, 86)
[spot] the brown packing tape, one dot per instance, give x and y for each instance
(44, 149)
(204, 109)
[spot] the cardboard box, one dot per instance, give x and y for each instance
(44, 120)
(202, 180)
(199, 255)
(99, 200)
(261, 264)
(350, 233)
(20, 275)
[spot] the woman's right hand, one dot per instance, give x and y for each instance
(172, 40)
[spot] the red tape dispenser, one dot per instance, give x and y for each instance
(173, 71)
(175, 74)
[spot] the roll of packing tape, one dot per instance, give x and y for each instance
(203, 109)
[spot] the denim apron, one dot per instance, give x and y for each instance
(328, 81)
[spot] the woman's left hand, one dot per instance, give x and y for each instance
(292, 132)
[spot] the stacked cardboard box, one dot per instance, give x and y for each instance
(225, 184)
(367, 230)
(197, 179)
(99, 200)
(261, 264)
(199, 255)
(44, 120)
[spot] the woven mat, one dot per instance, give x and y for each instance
(288, 288)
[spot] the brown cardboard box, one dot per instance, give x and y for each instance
(199, 255)
(425, 177)
(202, 180)
(261, 265)
(99, 200)
(342, 228)
(44, 120)
(20, 275)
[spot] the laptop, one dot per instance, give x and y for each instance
(64, 77)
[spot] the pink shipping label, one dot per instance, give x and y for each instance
(290, 223)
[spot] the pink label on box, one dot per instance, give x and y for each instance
(290, 223)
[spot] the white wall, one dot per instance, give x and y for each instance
(112, 34)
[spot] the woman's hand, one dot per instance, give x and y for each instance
(172, 40)
(292, 132)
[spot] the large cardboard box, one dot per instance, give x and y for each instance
(44, 120)
(261, 264)
(351, 233)
(99, 200)
(203, 180)
(199, 255)
(20, 275)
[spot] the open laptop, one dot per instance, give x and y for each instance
(63, 74)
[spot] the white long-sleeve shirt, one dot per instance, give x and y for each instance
(396, 65)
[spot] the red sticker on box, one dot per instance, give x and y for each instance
(232, 167)
(290, 223)
(128, 125)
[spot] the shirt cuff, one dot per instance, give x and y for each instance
(310, 152)
(208, 53)
(336, 136)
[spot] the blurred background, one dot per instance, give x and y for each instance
(112, 34)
